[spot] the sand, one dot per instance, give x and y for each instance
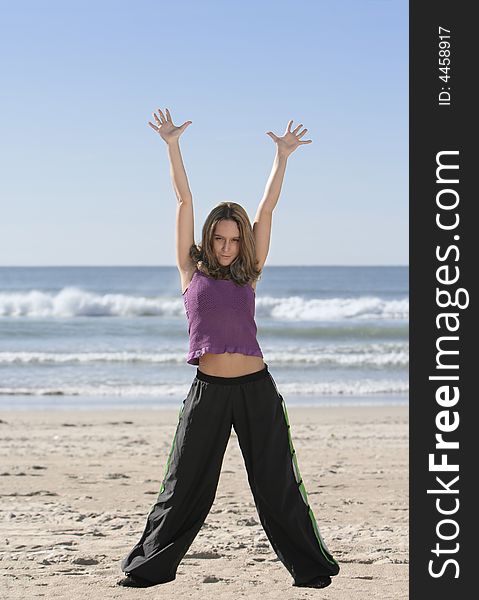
(76, 486)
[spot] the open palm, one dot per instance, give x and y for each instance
(165, 127)
(288, 142)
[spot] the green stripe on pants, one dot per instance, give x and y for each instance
(171, 451)
(302, 489)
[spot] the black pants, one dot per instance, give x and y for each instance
(255, 408)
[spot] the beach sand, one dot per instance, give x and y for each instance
(76, 487)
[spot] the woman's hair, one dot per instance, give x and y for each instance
(243, 268)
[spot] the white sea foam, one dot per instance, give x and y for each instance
(367, 355)
(75, 302)
(311, 388)
(373, 355)
(296, 308)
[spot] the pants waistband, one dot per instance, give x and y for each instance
(233, 380)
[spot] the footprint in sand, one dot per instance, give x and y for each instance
(85, 560)
(214, 579)
(204, 554)
(250, 521)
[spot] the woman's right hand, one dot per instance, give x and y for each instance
(165, 127)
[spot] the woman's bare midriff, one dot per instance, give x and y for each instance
(230, 364)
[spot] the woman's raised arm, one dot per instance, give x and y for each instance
(185, 230)
(264, 215)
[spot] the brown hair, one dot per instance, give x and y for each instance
(243, 268)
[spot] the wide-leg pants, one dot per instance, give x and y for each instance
(257, 411)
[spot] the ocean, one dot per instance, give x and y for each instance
(86, 337)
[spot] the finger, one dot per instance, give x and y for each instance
(168, 116)
(157, 119)
(306, 142)
(185, 125)
(302, 133)
(288, 128)
(162, 115)
(297, 128)
(154, 126)
(272, 135)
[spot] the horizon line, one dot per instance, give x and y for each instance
(174, 266)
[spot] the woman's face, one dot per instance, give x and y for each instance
(226, 241)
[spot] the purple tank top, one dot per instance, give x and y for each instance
(220, 317)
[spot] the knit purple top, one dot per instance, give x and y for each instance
(220, 317)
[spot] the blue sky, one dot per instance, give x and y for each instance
(86, 182)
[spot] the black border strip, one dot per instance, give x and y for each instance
(442, 271)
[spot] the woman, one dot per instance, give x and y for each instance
(232, 387)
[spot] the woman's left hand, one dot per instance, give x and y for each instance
(290, 140)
